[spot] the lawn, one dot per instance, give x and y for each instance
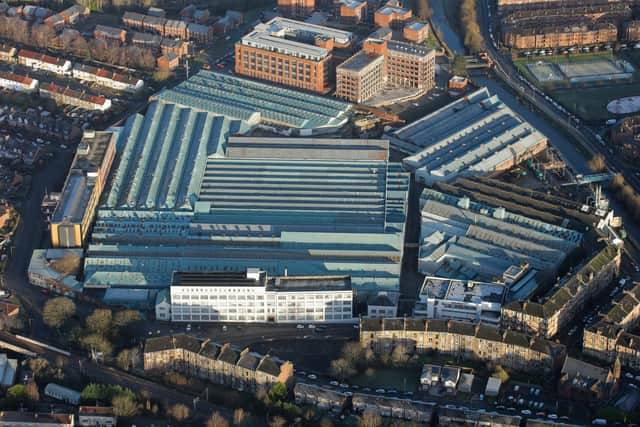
(402, 379)
(590, 104)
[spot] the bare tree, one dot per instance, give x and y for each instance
(277, 421)
(217, 420)
(370, 418)
(342, 368)
(32, 392)
(597, 163)
(179, 412)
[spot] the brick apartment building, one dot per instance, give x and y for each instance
(385, 63)
(566, 300)
(360, 77)
(415, 31)
(221, 364)
(352, 12)
(296, 8)
(559, 36)
(304, 59)
(511, 349)
(392, 15)
(104, 32)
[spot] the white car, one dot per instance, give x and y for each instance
(525, 412)
(334, 383)
(311, 326)
(312, 377)
(300, 326)
(343, 385)
(552, 416)
(380, 390)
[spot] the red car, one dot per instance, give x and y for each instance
(44, 291)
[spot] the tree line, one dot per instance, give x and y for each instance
(42, 36)
(470, 29)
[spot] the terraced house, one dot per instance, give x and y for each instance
(610, 339)
(219, 363)
(565, 300)
(511, 349)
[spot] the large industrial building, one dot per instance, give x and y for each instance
(256, 103)
(477, 134)
(253, 296)
(291, 53)
(87, 177)
(184, 198)
(469, 240)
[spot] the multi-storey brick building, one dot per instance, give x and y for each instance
(291, 53)
(609, 338)
(221, 364)
(566, 300)
(511, 349)
(360, 77)
(352, 12)
(559, 36)
(415, 31)
(406, 65)
(296, 8)
(392, 15)
(113, 34)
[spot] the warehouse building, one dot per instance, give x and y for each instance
(469, 240)
(477, 134)
(81, 192)
(311, 207)
(464, 300)
(252, 296)
(291, 53)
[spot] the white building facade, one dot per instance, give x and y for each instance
(462, 300)
(252, 297)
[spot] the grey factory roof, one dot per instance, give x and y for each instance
(360, 61)
(301, 283)
(472, 135)
(80, 182)
(313, 217)
(162, 153)
(252, 101)
(307, 148)
(215, 278)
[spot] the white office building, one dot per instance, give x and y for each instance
(251, 296)
(463, 300)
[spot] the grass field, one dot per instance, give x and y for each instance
(590, 104)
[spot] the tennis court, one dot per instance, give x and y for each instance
(596, 70)
(545, 72)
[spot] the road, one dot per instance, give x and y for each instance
(108, 375)
(583, 135)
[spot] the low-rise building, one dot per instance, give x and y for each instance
(382, 305)
(565, 300)
(221, 364)
(168, 62)
(62, 393)
(631, 30)
(156, 24)
(465, 300)
(464, 340)
(133, 20)
(156, 11)
(97, 416)
(392, 15)
(68, 96)
(352, 12)
(104, 32)
(231, 20)
(252, 296)
(147, 41)
(17, 82)
(493, 387)
(39, 61)
(110, 79)
(393, 407)
(35, 419)
(319, 396)
(8, 370)
(200, 33)
(7, 53)
(176, 46)
(163, 305)
(45, 271)
(81, 192)
(175, 28)
(457, 85)
(583, 381)
(415, 31)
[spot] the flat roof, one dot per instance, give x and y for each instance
(307, 148)
(462, 290)
(360, 61)
(309, 283)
